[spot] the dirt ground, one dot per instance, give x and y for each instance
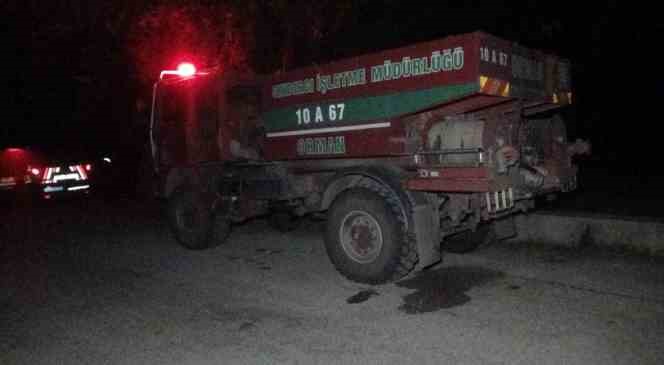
(102, 282)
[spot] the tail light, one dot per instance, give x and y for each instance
(57, 174)
(33, 174)
(82, 171)
(49, 174)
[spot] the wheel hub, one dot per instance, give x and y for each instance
(361, 236)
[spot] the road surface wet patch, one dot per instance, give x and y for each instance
(362, 296)
(443, 288)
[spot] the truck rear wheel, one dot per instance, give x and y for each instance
(193, 221)
(366, 237)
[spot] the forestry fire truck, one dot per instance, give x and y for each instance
(406, 152)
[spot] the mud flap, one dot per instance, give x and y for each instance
(427, 236)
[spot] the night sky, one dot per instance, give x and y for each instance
(75, 80)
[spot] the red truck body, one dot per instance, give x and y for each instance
(461, 73)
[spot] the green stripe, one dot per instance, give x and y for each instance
(360, 110)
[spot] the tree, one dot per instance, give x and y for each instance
(207, 34)
(297, 30)
(265, 35)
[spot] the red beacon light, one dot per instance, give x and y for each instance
(184, 69)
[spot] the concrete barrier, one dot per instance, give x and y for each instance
(564, 229)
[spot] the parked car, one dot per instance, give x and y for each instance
(26, 170)
(14, 173)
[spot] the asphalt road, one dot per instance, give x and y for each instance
(94, 282)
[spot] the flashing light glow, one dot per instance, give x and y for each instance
(186, 69)
(35, 171)
(88, 167)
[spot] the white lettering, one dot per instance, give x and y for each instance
(334, 145)
(334, 112)
(445, 60)
(319, 115)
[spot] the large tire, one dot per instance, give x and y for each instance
(366, 237)
(193, 220)
(469, 240)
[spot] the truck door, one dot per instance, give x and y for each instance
(186, 122)
(240, 136)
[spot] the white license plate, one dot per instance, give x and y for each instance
(64, 177)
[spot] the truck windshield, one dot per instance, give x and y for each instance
(185, 122)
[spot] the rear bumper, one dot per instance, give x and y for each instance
(451, 180)
(35, 192)
(480, 180)
(64, 188)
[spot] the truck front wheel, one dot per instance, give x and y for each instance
(193, 221)
(366, 237)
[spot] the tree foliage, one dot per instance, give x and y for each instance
(83, 63)
(206, 34)
(264, 35)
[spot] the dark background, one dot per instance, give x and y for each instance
(79, 72)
